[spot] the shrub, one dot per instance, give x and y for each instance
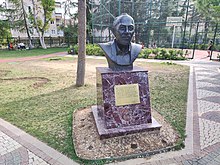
(216, 47)
(145, 53)
(180, 53)
(90, 50)
(203, 47)
(162, 54)
(94, 49)
(172, 54)
(71, 50)
(76, 49)
(156, 51)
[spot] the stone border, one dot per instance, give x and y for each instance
(39, 148)
(196, 132)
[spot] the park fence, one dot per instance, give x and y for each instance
(49, 41)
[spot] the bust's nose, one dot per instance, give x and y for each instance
(127, 30)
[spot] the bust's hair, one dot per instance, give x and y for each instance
(118, 19)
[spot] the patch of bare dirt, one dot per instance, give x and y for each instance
(4, 72)
(89, 146)
(40, 81)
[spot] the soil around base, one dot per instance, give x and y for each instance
(89, 146)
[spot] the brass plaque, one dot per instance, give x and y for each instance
(126, 94)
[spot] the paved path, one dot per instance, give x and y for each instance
(19, 148)
(202, 128)
(203, 119)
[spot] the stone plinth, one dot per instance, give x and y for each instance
(123, 102)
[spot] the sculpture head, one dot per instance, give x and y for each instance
(123, 29)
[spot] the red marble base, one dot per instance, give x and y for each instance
(124, 115)
(113, 119)
(108, 133)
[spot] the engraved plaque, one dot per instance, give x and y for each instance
(126, 94)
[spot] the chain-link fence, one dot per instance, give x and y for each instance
(164, 23)
(49, 41)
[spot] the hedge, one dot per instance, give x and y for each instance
(158, 53)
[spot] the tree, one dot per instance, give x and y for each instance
(70, 28)
(68, 6)
(44, 8)
(4, 24)
(5, 29)
(17, 18)
(82, 42)
(71, 32)
(209, 8)
(26, 24)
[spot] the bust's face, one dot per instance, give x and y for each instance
(124, 30)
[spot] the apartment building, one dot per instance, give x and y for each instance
(53, 31)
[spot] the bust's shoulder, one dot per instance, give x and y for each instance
(136, 48)
(107, 44)
(136, 45)
(106, 47)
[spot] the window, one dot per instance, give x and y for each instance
(52, 22)
(53, 31)
(29, 9)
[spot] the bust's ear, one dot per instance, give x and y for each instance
(112, 29)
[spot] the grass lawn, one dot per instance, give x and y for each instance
(40, 97)
(26, 53)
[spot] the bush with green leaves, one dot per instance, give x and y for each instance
(155, 51)
(172, 54)
(203, 47)
(71, 50)
(91, 49)
(158, 53)
(162, 54)
(180, 53)
(145, 53)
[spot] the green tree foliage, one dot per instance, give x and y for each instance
(46, 8)
(20, 18)
(4, 24)
(68, 6)
(70, 30)
(69, 27)
(209, 8)
(7, 20)
(5, 29)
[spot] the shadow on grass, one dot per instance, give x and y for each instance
(49, 116)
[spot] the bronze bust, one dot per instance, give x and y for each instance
(121, 53)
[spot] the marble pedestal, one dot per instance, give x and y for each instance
(123, 102)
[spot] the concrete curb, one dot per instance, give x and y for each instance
(39, 148)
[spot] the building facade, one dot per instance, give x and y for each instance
(54, 25)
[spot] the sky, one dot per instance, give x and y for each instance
(1, 1)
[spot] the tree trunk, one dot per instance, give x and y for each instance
(26, 26)
(41, 36)
(42, 41)
(82, 42)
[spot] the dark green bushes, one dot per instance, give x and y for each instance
(216, 47)
(158, 53)
(162, 53)
(145, 53)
